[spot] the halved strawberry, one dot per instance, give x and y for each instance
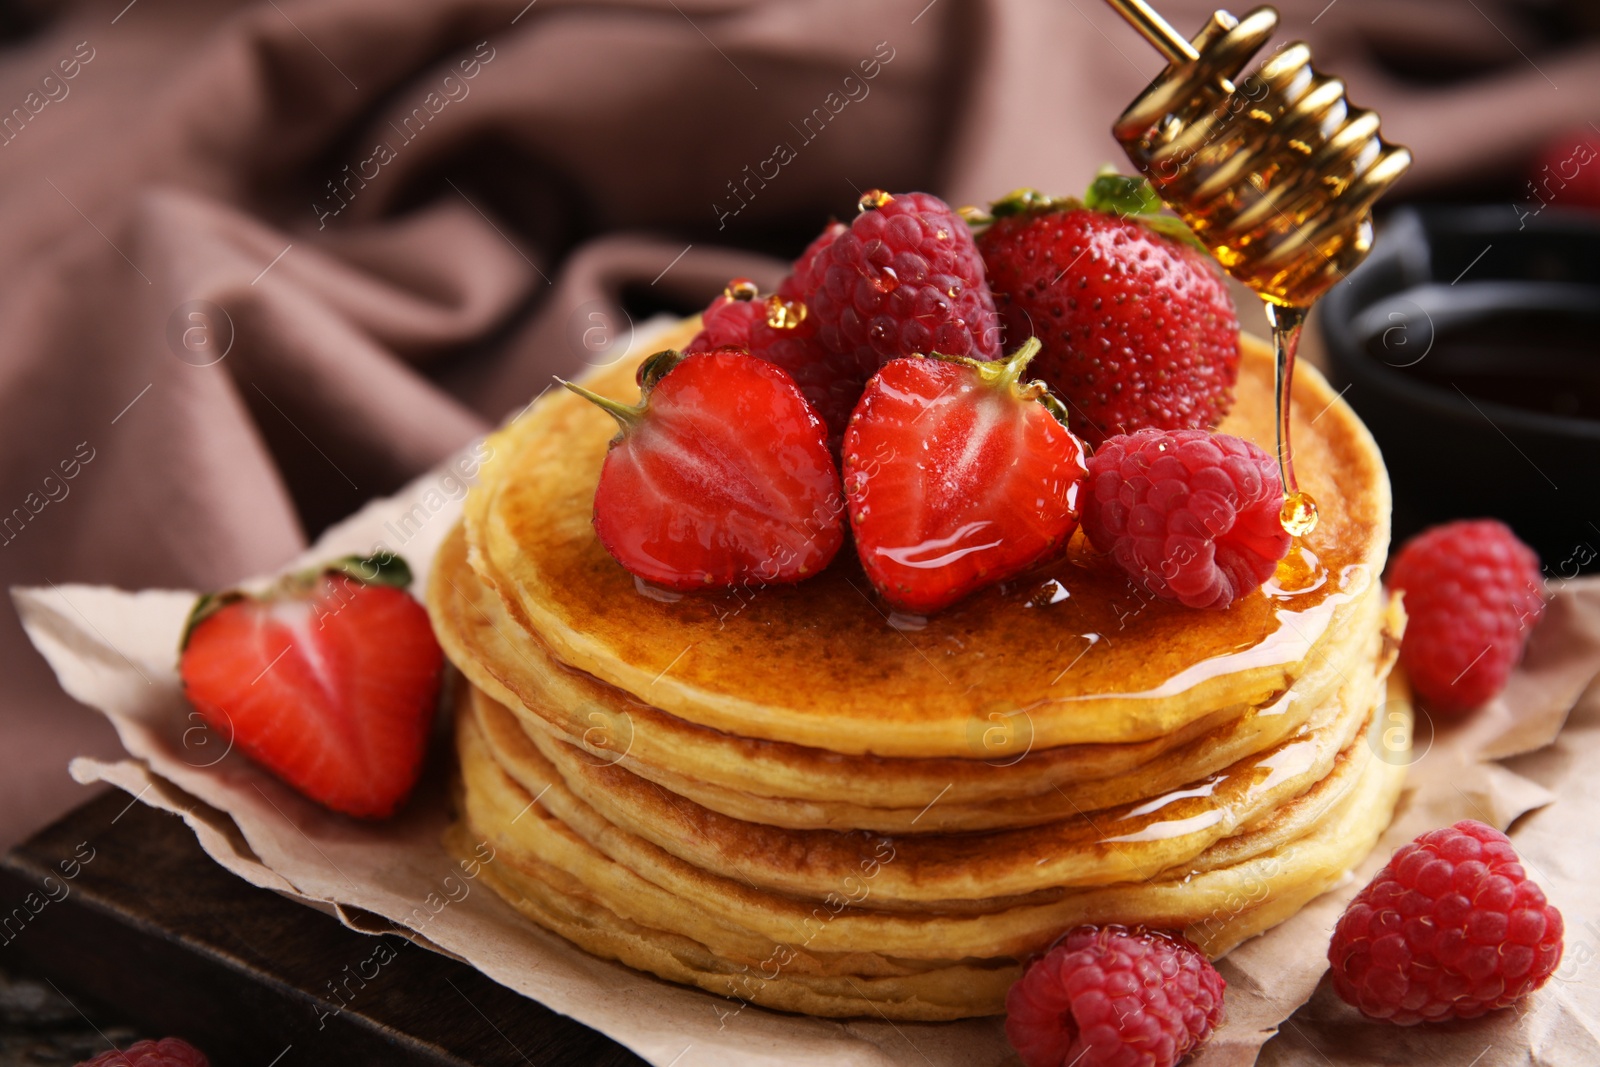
(958, 474)
(329, 680)
(721, 475)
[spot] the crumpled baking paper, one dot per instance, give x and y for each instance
(116, 651)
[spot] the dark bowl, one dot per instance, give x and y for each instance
(1469, 342)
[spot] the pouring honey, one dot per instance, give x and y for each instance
(1273, 170)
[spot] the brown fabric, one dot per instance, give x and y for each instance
(164, 152)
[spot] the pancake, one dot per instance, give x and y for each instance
(1130, 841)
(801, 787)
(839, 956)
(1080, 648)
(794, 798)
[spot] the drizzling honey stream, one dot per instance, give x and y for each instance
(1274, 172)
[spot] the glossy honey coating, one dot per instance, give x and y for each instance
(1075, 652)
(800, 787)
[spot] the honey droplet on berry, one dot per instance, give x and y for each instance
(742, 289)
(1298, 515)
(785, 314)
(872, 200)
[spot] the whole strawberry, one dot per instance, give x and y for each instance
(1473, 593)
(167, 1052)
(1114, 997)
(904, 279)
(329, 680)
(721, 475)
(1137, 324)
(958, 475)
(1449, 929)
(1191, 516)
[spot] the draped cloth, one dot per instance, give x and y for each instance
(262, 262)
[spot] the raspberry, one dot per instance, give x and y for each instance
(806, 277)
(740, 318)
(728, 320)
(1191, 515)
(168, 1052)
(1473, 593)
(1107, 996)
(904, 279)
(1449, 929)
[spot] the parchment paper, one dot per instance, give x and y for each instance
(115, 651)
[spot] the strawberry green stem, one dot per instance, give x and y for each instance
(1007, 373)
(627, 415)
(1001, 373)
(652, 370)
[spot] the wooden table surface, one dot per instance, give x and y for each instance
(154, 939)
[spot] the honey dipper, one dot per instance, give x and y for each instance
(1274, 171)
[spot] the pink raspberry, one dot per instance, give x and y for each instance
(1190, 515)
(905, 278)
(1114, 997)
(741, 318)
(806, 276)
(1449, 929)
(168, 1052)
(1473, 594)
(729, 319)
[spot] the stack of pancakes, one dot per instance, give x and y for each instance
(795, 798)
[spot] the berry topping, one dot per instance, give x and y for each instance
(806, 277)
(168, 1052)
(1190, 515)
(1473, 592)
(329, 680)
(1449, 929)
(781, 330)
(904, 279)
(1138, 327)
(1114, 997)
(729, 319)
(721, 475)
(958, 475)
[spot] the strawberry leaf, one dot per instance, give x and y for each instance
(206, 606)
(1133, 197)
(383, 568)
(1119, 194)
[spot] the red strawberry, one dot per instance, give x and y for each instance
(1137, 324)
(329, 680)
(721, 475)
(958, 475)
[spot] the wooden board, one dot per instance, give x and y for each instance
(154, 935)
